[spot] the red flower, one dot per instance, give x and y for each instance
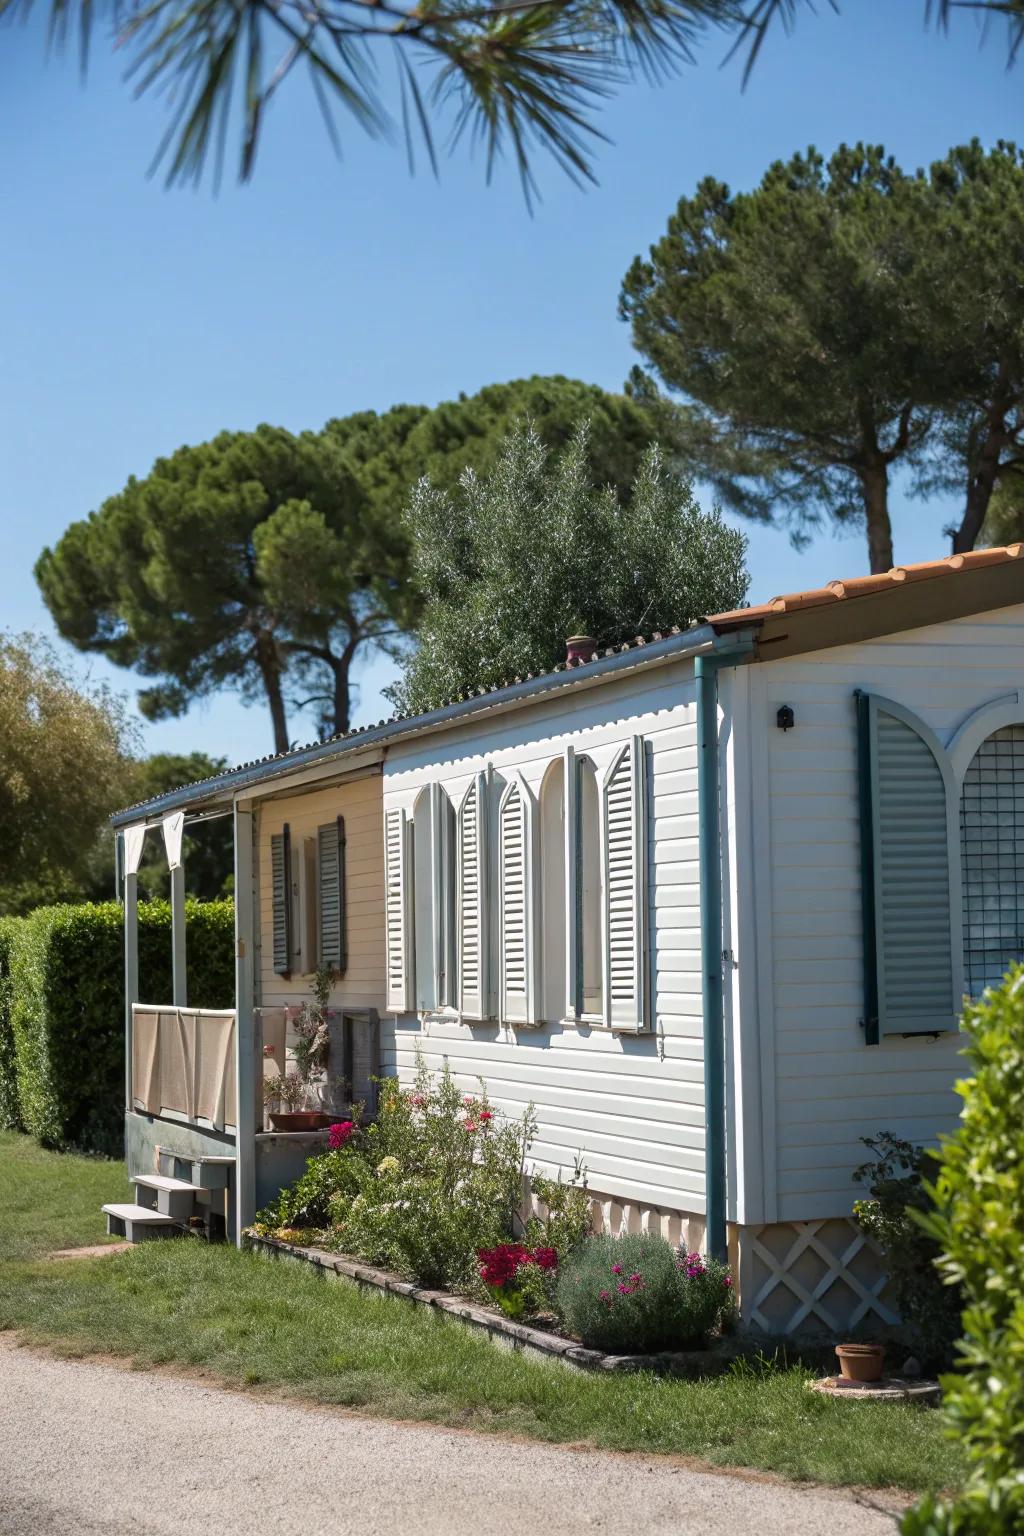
(545, 1258)
(485, 1115)
(339, 1134)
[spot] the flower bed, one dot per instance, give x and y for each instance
(689, 1363)
(431, 1195)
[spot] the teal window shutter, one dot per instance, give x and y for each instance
(281, 899)
(332, 927)
(910, 874)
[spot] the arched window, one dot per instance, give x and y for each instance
(992, 859)
(553, 892)
(590, 892)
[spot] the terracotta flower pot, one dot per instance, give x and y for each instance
(860, 1362)
(300, 1120)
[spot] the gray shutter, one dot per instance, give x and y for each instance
(623, 854)
(281, 899)
(332, 935)
(910, 869)
(472, 912)
(515, 946)
(397, 920)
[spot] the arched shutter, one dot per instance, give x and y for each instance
(516, 939)
(624, 836)
(332, 935)
(473, 998)
(281, 899)
(396, 910)
(910, 868)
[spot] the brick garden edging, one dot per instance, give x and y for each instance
(519, 1336)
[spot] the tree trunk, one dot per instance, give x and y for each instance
(874, 481)
(341, 666)
(268, 659)
(984, 472)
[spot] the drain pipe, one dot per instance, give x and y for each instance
(706, 668)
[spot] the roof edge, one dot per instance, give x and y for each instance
(226, 785)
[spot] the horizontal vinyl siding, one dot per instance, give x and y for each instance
(632, 1107)
(360, 803)
(830, 1088)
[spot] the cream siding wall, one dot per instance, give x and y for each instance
(359, 802)
(823, 1088)
(633, 1107)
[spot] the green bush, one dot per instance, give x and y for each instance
(67, 1008)
(638, 1295)
(897, 1181)
(10, 1119)
(979, 1224)
(435, 1178)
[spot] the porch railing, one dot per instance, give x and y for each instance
(183, 1064)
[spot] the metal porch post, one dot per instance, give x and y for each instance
(245, 1024)
(131, 963)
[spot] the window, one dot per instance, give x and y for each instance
(992, 859)
(553, 892)
(589, 892)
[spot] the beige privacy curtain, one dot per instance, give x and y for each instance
(183, 1062)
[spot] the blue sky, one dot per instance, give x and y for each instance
(136, 319)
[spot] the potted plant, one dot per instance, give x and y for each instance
(299, 1093)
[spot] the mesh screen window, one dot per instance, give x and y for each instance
(992, 849)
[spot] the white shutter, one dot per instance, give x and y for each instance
(516, 947)
(472, 885)
(396, 909)
(623, 853)
(910, 864)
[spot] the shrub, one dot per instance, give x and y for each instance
(896, 1178)
(67, 1008)
(638, 1295)
(435, 1178)
(979, 1224)
(10, 1118)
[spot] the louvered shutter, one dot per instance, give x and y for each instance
(472, 886)
(281, 899)
(396, 910)
(623, 853)
(516, 940)
(910, 869)
(332, 935)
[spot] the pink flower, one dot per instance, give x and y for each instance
(635, 1279)
(622, 1289)
(616, 1269)
(270, 1050)
(417, 1100)
(470, 1126)
(605, 1296)
(468, 1101)
(727, 1279)
(339, 1134)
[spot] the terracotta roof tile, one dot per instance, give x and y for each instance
(865, 586)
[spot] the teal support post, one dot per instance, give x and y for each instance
(706, 669)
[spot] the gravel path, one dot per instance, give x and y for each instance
(99, 1450)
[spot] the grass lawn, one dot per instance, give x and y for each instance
(254, 1322)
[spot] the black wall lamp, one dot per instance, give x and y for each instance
(785, 719)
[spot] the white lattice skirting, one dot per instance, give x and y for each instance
(792, 1277)
(809, 1276)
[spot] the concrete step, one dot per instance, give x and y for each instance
(203, 1172)
(138, 1223)
(173, 1198)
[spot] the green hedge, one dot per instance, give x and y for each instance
(67, 1008)
(10, 1119)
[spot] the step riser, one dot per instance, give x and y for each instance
(206, 1175)
(134, 1232)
